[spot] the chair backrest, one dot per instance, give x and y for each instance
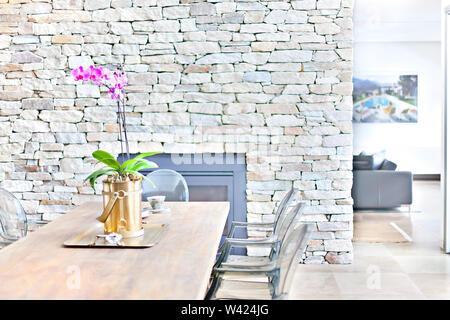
(13, 220)
(289, 196)
(167, 183)
(286, 218)
(287, 200)
(285, 203)
(292, 247)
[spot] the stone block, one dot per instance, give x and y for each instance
(97, 49)
(304, 4)
(25, 57)
(25, 39)
(197, 48)
(71, 165)
(16, 185)
(99, 114)
(76, 61)
(87, 91)
(216, 58)
(257, 58)
(258, 28)
(30, 126)
(143, 78)
(338, 140)
(244, 119)
(176, 12)
(205, 120)
(290, 56)
(166, 119)
(140, 14)
(208, 108)
(75, 150)
(256, 76)
(293, 77)
(38, 103)
(202, 9)
(70, 137)
(96, 4)
(64, 38)
(125, 49)
(67, 4)
(328, 4)
(284, 121)
(338, 245)
(61, 116)
(121, 28)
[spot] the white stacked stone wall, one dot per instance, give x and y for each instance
(271, 79)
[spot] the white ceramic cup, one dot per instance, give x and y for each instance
(156, 202)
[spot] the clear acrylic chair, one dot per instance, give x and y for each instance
(13, 220)
(289, 214)
(271, 280)
(167, 183)
(287, 200)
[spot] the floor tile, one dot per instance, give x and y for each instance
(319, 284)
(424, 264)
(415, 270)
(372, 284)
(432, 285)
(361, 249)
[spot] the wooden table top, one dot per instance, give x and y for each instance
(178, 267)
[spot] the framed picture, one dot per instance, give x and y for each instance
(385, 98)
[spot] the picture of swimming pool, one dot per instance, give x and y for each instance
(388, 99)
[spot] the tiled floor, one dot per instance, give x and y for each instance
(415, 270)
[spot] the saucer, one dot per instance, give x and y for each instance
(148, 211)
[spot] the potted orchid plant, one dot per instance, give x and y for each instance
(123, 187)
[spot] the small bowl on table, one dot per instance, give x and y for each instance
(155, 206)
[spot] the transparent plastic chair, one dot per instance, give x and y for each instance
(13, 220)
(167, 183)
(271, 280)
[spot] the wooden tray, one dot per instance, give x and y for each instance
(152, 235)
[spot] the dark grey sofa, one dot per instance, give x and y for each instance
(376, 184)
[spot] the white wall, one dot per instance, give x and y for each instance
(402, 36)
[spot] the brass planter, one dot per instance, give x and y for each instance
(122, 208)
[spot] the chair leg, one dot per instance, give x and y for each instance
(214, 284)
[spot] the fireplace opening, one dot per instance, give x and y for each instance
(211, 177)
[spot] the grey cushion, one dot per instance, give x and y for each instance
(381, 189)
(388, 165)
(364, 161)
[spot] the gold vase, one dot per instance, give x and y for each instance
(122, 208)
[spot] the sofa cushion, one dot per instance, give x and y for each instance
(388, 165)
(362, 162)
(365, 161)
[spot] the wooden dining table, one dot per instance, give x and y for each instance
(39, 266)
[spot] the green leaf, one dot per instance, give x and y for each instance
(147, 154)
(97, 174)
(130, 164)
(106, 158)
(143, 165)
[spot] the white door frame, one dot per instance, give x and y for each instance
(445, 140)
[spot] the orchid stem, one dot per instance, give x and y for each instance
(119, 122)
(124, 122)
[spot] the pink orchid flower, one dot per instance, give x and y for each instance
(96, 75)
(118, 83)
(101, 76)
(81, 74)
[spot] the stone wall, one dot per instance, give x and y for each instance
(271, 79)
